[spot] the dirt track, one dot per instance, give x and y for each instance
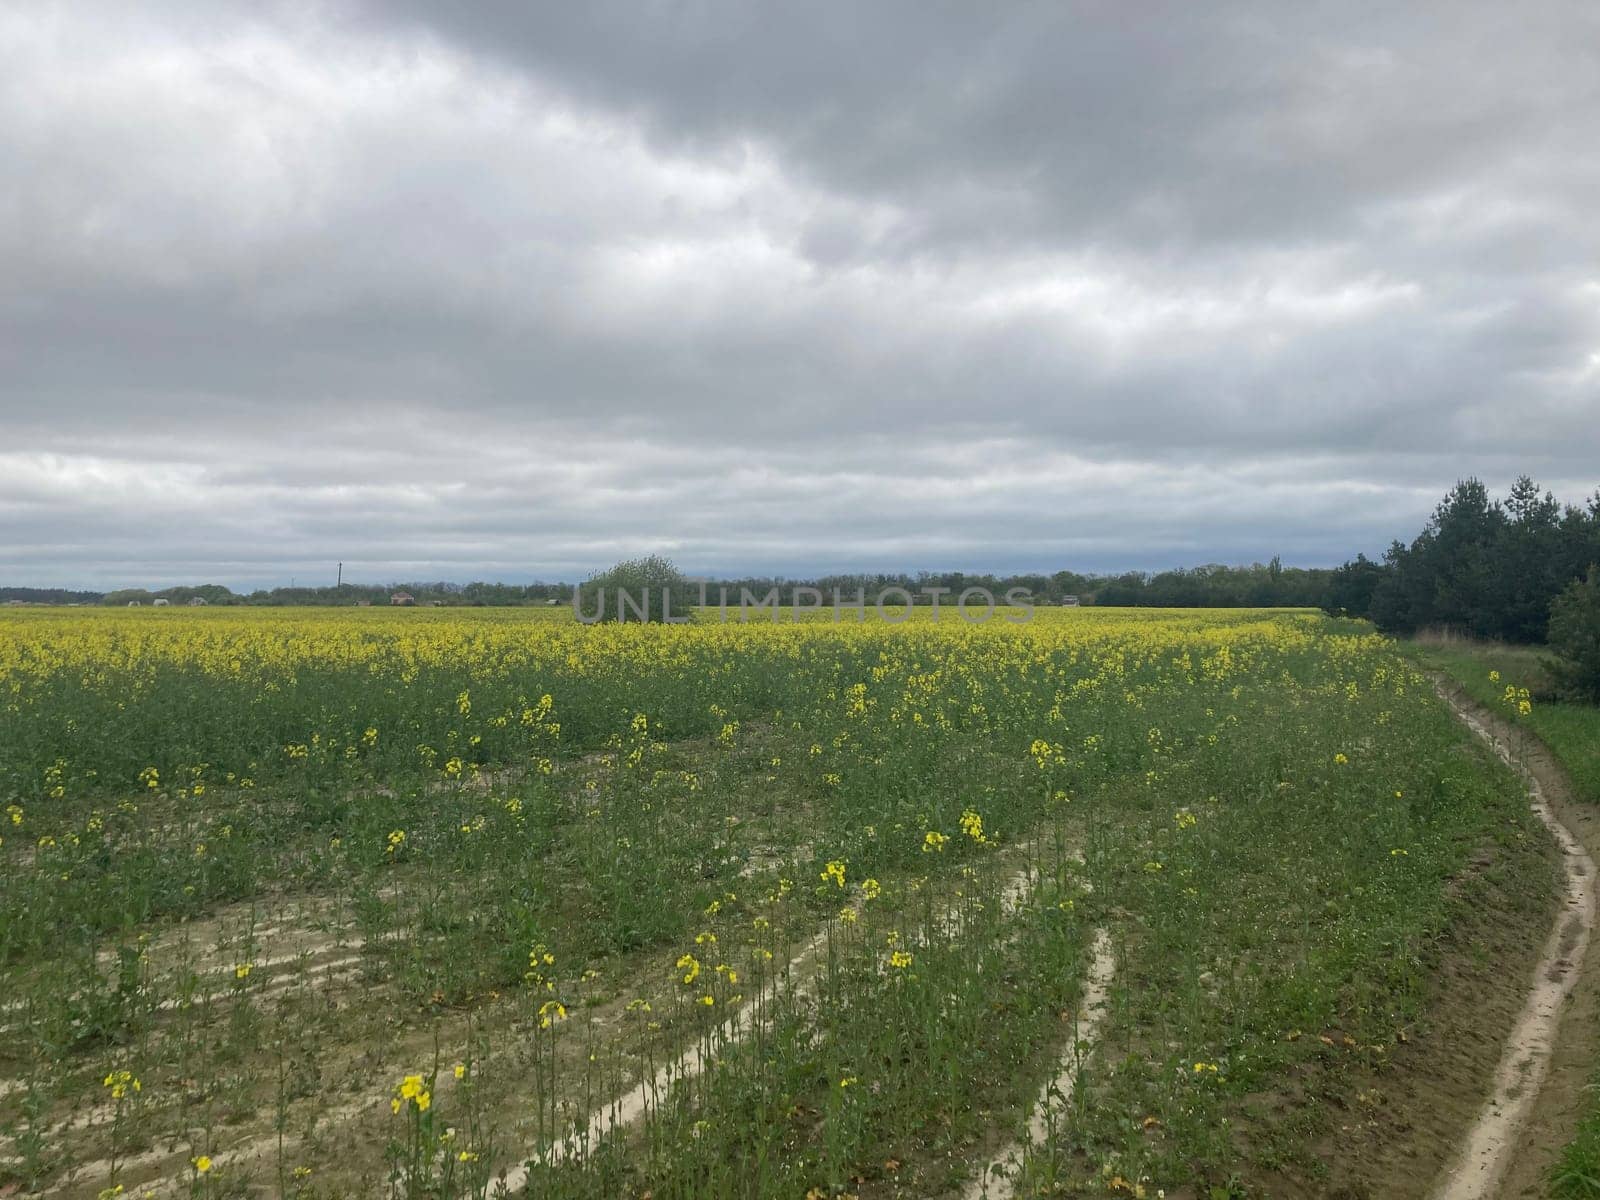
(1541, 1085)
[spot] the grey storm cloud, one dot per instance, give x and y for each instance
(510, 290)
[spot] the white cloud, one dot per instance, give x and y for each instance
(494, 291)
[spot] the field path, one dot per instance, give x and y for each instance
(799, 978)
(998, 1181)
(1531, 1110)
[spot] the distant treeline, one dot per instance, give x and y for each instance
(1047, 588)
(31, 595)
(1483, 566)
(1269, 585)
(350, 593)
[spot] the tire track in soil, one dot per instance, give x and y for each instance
(251, 1148)
(617, 1115)
(326, 957)
(1496, 1146)
(614, 1116)
(215, 985)
(998, 1180)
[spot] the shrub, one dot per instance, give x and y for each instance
(640, 589)
(1575, 637)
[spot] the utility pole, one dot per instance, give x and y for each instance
(340, 584)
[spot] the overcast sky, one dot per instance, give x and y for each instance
(510, 290)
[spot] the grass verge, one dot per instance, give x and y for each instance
(1488, 669)
(1571, 732)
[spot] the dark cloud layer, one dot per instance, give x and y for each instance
(498, 289)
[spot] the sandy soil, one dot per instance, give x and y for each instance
(998, 1180)
(1541, 1085)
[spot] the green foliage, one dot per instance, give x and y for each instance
(649, 590)
(1491, 673)
(1577, 1174)
(1260, 585)
(1351, 587)
(1575, 637)
(1486, 567)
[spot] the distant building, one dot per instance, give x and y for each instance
(402, 598)
(135, 603)
(198, 602)
(363, 603)
(552, 603)
(15, 603)
(1069, 602)
(161, 602)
